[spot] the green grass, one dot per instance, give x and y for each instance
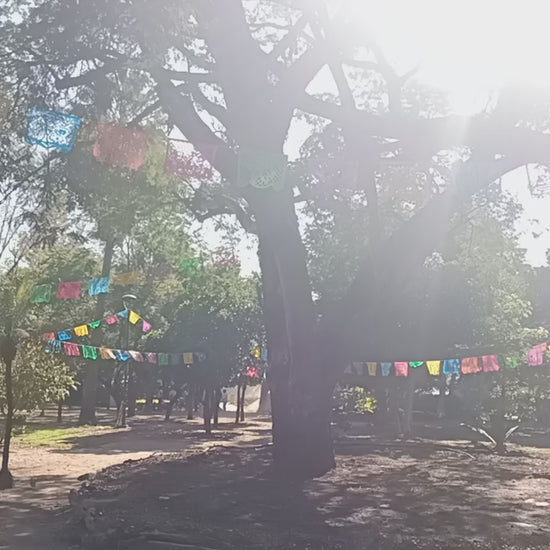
(60, 437)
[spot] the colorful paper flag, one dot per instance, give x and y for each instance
(371, 368)
(490, 363)
(89, 352)
(189, 266)
(98, 286)
(73, 350)
(470, 365)
(106, 353)
(113, 319)
(122, 355)
(415, 364)
(48, 336)
(146, 327)
(257, 353)
(123, 314)
(94, 324)
(252, 372)
(263, 354)
(385, 368)
(134, 317)
(64, 335)
(512, 362)
(54, 346)
(162, 358)
(535, 356)
(120, 146)
(136, 356)
(126, 279)
(69, 290)
(434, 367)
(52, 130)
(401, 368)
(151, 358)
(82, 330)
(451, 366)
(41, 294)
(188, 358)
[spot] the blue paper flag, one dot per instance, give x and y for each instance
(54, 346)
(64, 335)
(451, 366)
(52, 130)
(263, 354)
(386, 368)
(123, 314)
(98, 286)
(122, 355)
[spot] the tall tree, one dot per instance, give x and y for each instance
(232, 78)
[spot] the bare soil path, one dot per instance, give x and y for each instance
(33, 512)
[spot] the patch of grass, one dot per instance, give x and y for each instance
(59, 437)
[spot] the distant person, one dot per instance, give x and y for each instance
(224, 398)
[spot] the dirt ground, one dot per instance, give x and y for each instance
(221, 494)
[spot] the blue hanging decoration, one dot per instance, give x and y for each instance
(54, 346)
(122, 355)
(123, 314)
(52, 130)
(64, 335)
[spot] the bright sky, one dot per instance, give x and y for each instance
(468, 48)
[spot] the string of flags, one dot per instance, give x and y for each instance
(94, 353)
(467, 365)
(72, 290)
(84, 329)
(260, 353)
(127, 147)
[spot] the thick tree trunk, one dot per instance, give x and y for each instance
(265, 400)
(89, 388)
(6, 479)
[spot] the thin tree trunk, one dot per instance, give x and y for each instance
(207, 411)
(217, 395)
(242, 401)
(238, 411)
(6, 479)
(59, 412)
(89, 388)
(132, 387)
(190, 403)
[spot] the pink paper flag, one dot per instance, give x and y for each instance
(48, 336)
(111, 320)
(490, 363)
(535, 356)
(136, 356)
(151, 357)
(68, 290)
(401, 368)
(120, 146)
(71, 349)
(146, 327)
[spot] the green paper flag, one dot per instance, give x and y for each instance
(41, 294)
(189, 266)
(512, 362)
(416, 364)
(162, 358)
(94, 324)
(89, 352)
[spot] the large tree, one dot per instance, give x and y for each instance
(234, 75)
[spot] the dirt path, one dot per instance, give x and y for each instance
(32, 512)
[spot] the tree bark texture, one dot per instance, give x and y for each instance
(89, 388)
(6, 479)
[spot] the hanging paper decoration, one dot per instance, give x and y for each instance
(401, 368)
(262, 170)
(98, 286)
(183, 161)
(41, 294)
(451, 366)
(415, 364)
(106, 353)
(89, 352)
(54, 346)
(48, 336)
(113, 319)
(252, 372)
(385, 368)
(535, 356)
(512, 362)
(434, 367)
(490, 363)
(123, 314)
(162, 358)
(134, 317)
(263, 354)
(188, 358)
(189, 266)
(64, 335)
(120, 146)
(82, 330)
(126, 279)
(69, 290)
(71, 349)
(122, 355)
(52, 130)
(371, 369)
(146, 327)
(470, 365)
(136, 356)
(94, 324)
(151, 358)
(257, 353)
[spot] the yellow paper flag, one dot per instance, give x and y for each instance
(106, 353)
(82, 330)
(188, 358)
(257, 353)
(134, 317)
(129, 278)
